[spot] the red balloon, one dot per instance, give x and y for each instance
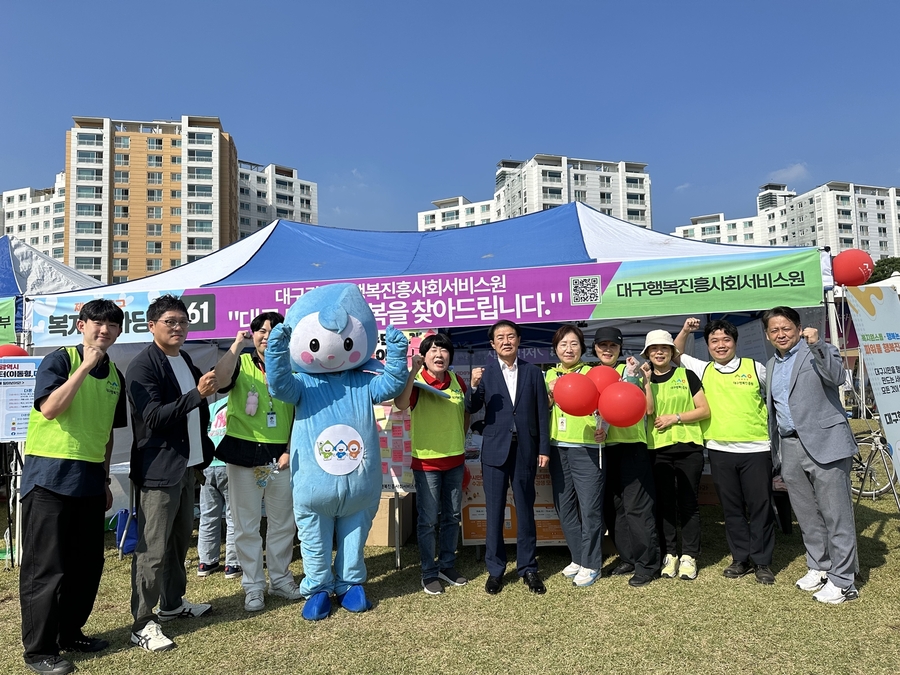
(622, 404)
(575, 394)
(12, 350)
(603, 376)
(852, 267)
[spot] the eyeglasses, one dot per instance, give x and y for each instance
(172, 323)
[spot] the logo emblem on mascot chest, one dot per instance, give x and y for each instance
(339, 449)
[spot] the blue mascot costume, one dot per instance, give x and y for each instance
(318, 360)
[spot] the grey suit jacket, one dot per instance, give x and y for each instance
(815, 403)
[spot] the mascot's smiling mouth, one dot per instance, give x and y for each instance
(333, 368)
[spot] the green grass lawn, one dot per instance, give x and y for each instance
(710, 625)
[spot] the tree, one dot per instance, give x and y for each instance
(884, 268)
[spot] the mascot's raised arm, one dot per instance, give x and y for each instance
(318, 360)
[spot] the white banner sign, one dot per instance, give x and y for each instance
(876, 315)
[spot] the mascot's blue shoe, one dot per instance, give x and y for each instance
(318, 606)
(355, 599)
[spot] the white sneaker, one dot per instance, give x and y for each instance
(813, 580)
(586, 576)
(669, 566)
(834, 595)
(570, 570)
(151, 638)
(687, 568)
(188, 610)
(254, 601)
(289, 591)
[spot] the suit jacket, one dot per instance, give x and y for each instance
(815, 403)
(161, 445)
(529, 417)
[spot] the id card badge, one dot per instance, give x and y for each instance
(561, 423)
(271, 422)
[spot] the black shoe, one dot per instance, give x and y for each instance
(764, 575)
(493, 585)
(640, 580)
(534, 583)
(622, 568)
(83, 643)
(52, 665)
(737, 569)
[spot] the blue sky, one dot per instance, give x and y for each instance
(388, 106)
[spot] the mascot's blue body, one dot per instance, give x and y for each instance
(318, 360)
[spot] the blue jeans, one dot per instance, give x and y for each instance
(213, 501)
(439, 500)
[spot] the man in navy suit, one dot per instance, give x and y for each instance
(516, 441)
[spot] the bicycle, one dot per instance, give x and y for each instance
(873, 471)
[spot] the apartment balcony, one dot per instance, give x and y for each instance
(199, 195)
(637, 219)
(284, 202)
(636, 202)
(89, 160)
(199, 211)
(88, 143)
(204, 248)
(199, 141)
(551, 179)
(605, 200)
(551, 197)
(579, 183)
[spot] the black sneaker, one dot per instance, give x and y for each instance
(622, 569)
(737, 569)
(83, 643)
(52, 665)
(452, 577)
(432, 586)
(640, 580)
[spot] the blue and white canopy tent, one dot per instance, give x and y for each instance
(571, 263)
(25, 271)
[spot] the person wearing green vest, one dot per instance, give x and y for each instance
(577, 476)
(737, 440)
(78, 401)
(255, 452)
(630, 493)
(438, 426)
(675, 406)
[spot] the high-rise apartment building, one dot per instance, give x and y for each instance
(269, 192)
(37, 217)
(142, 197)
(619, 189)
(837, 214)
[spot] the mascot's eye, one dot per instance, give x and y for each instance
(313, 345)
(348, 345)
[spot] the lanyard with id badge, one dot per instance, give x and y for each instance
(253, 404)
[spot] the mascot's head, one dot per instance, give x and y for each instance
(333, 329)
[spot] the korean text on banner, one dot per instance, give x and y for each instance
(876, 315)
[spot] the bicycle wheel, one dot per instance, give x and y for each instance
(881, 472)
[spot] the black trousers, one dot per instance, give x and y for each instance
(743, 482)
(496, 480)
(677, 474)
(629, 505)
(62, 562)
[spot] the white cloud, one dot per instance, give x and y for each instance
(792, 173)
(683, 186)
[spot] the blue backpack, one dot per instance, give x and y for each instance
(131, 538)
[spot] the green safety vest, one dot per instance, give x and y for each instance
(577, 430)
(737, 411)
(636, 433)
(82, 430)
(241, 425)
(436, 423)
(670, 398)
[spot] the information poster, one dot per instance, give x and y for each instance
(876, 316)
(17, 375)
(396, 448)
(474, 523)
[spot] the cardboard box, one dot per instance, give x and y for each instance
(382, 532)
(707, 496)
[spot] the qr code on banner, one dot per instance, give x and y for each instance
(584, 290)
